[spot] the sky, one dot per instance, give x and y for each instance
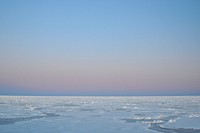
(105, 47)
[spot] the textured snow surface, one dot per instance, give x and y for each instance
(21, 114)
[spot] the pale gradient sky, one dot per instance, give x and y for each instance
(105, 47)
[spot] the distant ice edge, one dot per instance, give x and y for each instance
(89, 114)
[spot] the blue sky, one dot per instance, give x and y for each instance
(100, 47)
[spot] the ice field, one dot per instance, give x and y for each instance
(21, 114)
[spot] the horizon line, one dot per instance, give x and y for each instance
(100, 95)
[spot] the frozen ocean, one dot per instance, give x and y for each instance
(27, 114)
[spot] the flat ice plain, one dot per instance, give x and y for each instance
(26, 114)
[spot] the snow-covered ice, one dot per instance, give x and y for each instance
(22, 114)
